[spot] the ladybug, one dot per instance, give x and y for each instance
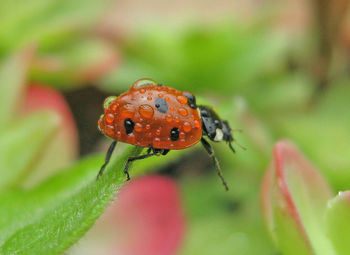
(161, 119)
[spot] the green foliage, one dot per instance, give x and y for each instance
(34, 21)
(75, 61)
(224, 58)
(22, 143)
(13, 73)
(231, 224)
(338, 224)
(51, 217)
(60, 31)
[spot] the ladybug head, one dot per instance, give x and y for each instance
(214, 127)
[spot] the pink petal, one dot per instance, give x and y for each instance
(148, 217)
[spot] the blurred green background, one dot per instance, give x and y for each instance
(273, 69)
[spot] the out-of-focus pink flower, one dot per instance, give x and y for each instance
(148, 217)
(39, 97)
(63, 148)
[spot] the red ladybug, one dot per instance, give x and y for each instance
(161, 119)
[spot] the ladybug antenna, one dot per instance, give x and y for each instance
(241, 146)
(231, 147)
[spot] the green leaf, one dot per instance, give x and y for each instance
(22, 143)
(53, 216)
(13, 73)
(338, 223)
(35, 21)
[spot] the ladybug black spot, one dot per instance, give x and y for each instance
(174, 134)
(161, 105)
(129, 125)
(191, 100)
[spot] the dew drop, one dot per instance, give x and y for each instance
(182, 99)
(109, 130)
(183, 112)
(182, 135)
(146, 111)
(148, 126)
(187, 127)
(156, 142)
(168, 118)
(127, 111)
(143, 82)
(108, 101)
(114, 107)
(109, 118)
(138, 127)
(197, 124)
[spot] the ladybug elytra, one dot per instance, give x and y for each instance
(161, 119)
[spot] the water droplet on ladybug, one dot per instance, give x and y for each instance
(187, 127)
(146, 111)
(109, 130)
(143, 82)
(182, 99)
(109, 118)
(183, 112)
(197, 124)
(108, 101)
(182, 135)
(114, 107)
(168, 118)
(138, 127)
(127, 111)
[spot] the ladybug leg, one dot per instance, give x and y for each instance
(211, 153)
(160, 151)
(149, 150)
(164, 152)
(108, 157)
(131, 159)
